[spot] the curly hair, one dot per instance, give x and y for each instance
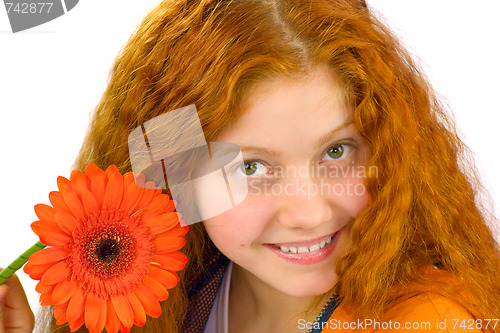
(424, 206)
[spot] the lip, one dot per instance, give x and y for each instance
(308, 258)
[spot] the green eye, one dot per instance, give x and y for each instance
(250, 168)
(336, 152)
(253, 168)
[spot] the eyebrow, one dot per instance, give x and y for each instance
(321, 141)
(330, 135)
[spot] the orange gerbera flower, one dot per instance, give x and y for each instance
(112, 250)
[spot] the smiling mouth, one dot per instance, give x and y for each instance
(307, 252)
(306, 246)
(305, 249)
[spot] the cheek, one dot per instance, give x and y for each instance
(350, 193)
(239, 226)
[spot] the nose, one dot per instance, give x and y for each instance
(303, 205)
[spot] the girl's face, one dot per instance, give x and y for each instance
(304, 163)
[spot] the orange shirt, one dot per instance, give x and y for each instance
(425, 311)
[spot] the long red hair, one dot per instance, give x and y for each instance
(424, 207)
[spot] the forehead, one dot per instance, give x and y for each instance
(288, 110)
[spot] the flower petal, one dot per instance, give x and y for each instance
(162, 223)
(79, 182)
(76, 305)
(57, 201)
(50, 236)
(124, 329)
(77, 323)
(93, 311)
(140, 179)
(46, 299)
(56, 273)
(63, 291)
(36, 271)
(60, 313)
(175, 232)
(166, 278)
(48, 255)
(67, 222)
(45, 213)
(123, 310)
(114, 189)
(148, 300)
(147, 196)
(138, 309)
(174, 261)
(159, 205)
(89, 203)
(156, 288)
(132, 195)
(44, 288)
(102, 316)
(97, 182)
(74, 204)
(63, 183)
(171, 245)
(112, 322)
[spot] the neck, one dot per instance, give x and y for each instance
(253, 303)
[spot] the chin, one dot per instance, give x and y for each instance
(301, 289)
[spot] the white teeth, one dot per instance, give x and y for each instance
(305, 249)
(302, 249)
(315, 247)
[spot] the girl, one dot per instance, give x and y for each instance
(361, 210)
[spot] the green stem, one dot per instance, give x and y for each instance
(20, 261)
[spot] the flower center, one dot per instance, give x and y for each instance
(107, 250)
(111, 253)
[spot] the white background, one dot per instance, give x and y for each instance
(52, 76)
